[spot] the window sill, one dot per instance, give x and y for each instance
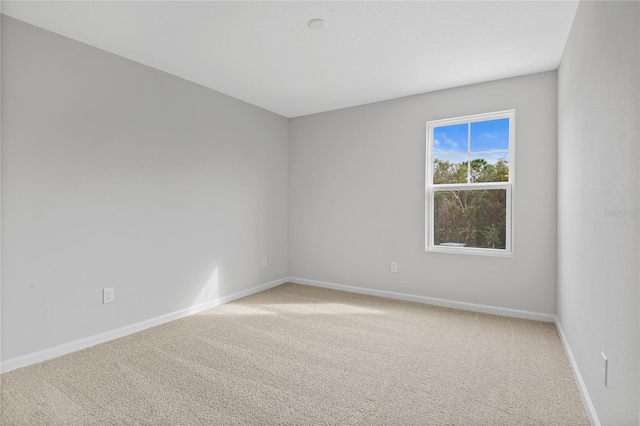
(449, 249)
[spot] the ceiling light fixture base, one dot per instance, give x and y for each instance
(317, 24)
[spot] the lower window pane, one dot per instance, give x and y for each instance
(471, 218)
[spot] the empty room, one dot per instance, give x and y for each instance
(320, 213)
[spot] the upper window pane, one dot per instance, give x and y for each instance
(490, 135)
(451, 139)
(472, 152)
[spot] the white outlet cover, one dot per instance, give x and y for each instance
(604, 362)
(108, 295)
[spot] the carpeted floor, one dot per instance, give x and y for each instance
(299, 355)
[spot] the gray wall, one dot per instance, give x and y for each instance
(598, 200)
(116, 174)
(357, 198)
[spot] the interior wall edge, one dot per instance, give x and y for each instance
(582, 387)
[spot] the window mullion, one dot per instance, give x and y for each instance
(468, 152)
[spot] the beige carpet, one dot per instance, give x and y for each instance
(299, 355)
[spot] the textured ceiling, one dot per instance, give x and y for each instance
(264, 53)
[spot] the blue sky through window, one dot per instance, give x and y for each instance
(450, 139)
(490, 135)
(451, 143)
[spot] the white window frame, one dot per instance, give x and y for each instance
(431, 189)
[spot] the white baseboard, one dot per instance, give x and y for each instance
(507, 312)
(65, 348)
(586, 399)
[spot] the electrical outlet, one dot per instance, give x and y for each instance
(394, 267)
(108, 295)
(265, 261)
(604, 367)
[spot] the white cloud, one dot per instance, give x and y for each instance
(449, 141)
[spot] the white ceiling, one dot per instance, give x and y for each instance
(263, 52)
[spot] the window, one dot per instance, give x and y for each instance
(469, 184)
